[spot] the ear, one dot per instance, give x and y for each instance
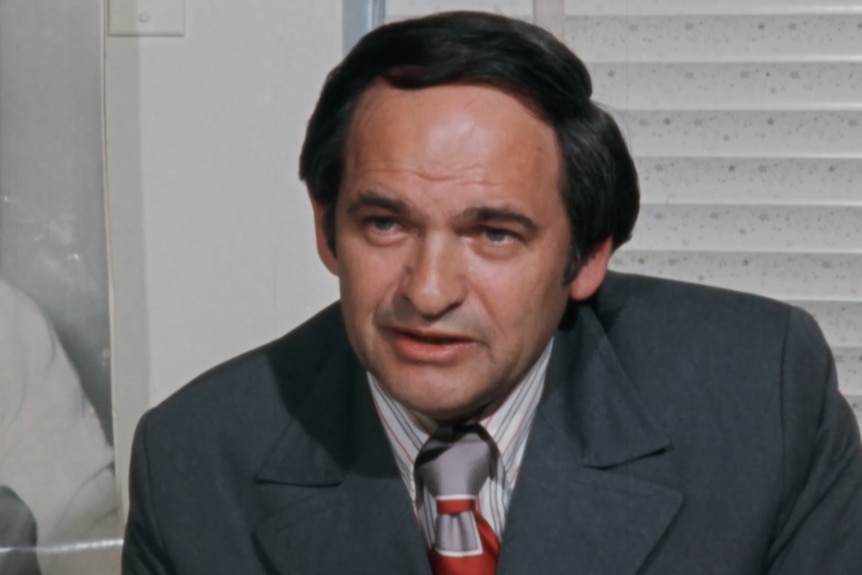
(592, 272)
(323, 251)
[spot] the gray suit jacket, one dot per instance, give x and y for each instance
(682, 430)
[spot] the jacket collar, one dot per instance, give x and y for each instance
(579, 500)
(336, 498)
(597, 488)
(590, 399)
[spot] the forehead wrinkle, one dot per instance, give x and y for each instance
(475, 174)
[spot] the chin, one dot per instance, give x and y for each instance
(443, 405)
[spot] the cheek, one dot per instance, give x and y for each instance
(522, 299)
(528, 279)
(366, 277)
(526, 296)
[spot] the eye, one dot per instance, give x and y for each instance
(497, 235)
(382, 224)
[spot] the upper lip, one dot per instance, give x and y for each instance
(430, 334)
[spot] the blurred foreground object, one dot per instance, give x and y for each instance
(53, 455)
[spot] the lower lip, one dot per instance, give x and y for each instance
(420, 351)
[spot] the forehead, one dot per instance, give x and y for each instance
(452, 134)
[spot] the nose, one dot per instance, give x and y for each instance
(434, 281)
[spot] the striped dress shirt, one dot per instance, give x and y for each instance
(508, 425)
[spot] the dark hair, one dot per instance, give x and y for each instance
(599, 180)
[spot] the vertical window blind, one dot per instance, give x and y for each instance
(745, 121)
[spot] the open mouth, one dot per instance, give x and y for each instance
(430, 347)
(432, 338)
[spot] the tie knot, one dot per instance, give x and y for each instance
(455, 462)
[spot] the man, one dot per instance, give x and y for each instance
(483, 398)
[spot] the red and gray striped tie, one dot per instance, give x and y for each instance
(453, 465)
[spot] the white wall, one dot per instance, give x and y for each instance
(211, 237)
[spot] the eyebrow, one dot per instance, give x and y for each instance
(374, 199)
(478, 214)
(485, 214)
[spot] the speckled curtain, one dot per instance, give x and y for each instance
(745, 120)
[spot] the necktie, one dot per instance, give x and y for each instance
(453, 465)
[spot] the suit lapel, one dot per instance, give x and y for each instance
(582, 503)
(337, 503)
(595, 494)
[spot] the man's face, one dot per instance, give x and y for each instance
(451, 244)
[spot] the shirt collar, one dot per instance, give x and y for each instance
(508, 423)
